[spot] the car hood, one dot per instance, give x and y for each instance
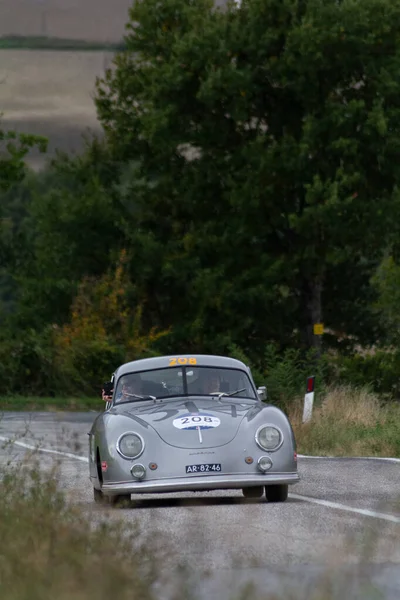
(198, 422)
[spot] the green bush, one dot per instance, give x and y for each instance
(32, 365)
(27, 364)
(285, 372)
(380, 370)
(87, 364)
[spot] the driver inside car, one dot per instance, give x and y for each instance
(131, 387)
(208, 381)
(212, 383)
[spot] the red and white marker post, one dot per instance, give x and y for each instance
(309, 399)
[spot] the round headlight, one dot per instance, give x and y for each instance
(269, 438)
(130, 445)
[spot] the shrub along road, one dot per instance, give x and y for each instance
(356, 520)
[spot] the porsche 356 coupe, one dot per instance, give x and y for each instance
(189, 423)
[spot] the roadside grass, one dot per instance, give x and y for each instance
(51, 549)
(348, 422)
(36, 403)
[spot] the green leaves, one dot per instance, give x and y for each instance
(250, 168)
(13, 149)
(290, 116)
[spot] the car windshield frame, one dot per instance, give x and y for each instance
(186, 391)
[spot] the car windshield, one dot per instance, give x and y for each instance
(184, 381)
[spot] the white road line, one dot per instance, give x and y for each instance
(45, 450)
(381, 458)
(338, 506)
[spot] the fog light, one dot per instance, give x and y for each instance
(138, 471)
(264, 463)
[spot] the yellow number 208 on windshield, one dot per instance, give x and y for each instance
(173, 362)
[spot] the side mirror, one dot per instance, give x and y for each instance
(262, 392)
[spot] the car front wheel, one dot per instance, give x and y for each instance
(276, 493)
(98, 496)
(122, 501)
(253, 492)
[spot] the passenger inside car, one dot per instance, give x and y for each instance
(208, 381)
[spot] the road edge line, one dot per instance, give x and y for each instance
(44, 450)
(338, 506)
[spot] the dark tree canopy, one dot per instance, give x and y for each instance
(260, 149)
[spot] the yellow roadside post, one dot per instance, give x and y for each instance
(318, 328)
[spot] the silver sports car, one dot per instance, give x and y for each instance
(190, 423)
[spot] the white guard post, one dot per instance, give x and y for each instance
(309, 399)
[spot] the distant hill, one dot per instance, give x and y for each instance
(92, 20)
(20, 42)
(51, 93)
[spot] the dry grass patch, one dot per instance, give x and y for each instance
(348, 422)
(349, 406)
(51, 549)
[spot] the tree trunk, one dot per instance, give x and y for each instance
(312, 303)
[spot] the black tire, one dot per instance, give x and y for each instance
(253, 492)
(98, 496)
(276, 493)
(121, 501)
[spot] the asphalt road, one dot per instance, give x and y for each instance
(344, 515)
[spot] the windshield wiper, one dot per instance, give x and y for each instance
(220, 394)
(140, 397)
(237, 392)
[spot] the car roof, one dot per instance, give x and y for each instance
(160, 362)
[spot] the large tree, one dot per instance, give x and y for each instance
(13, 149)
(62, 228)
(258, 155)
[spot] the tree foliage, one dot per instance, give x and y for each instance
(13, 149)
(386, 280)
(249, 174)
(263, 146)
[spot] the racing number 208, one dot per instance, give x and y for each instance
(173, 362)
(201, 419)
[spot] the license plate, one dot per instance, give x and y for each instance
(206, 468)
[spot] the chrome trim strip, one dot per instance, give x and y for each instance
(199, 483)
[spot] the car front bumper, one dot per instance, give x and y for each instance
(198, 483)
